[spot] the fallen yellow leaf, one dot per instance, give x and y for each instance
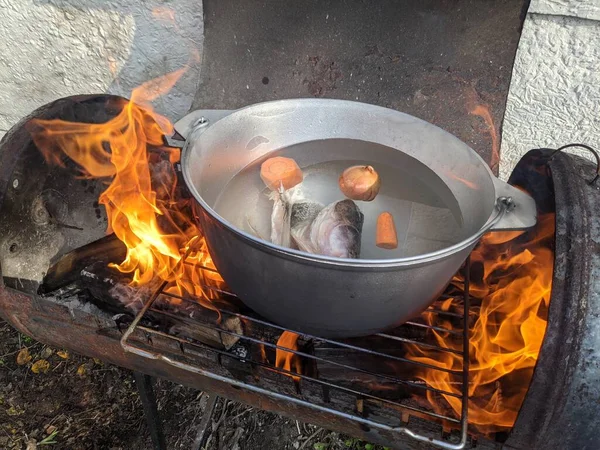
(23, 357)
(81, 370)
(40, 366)
(63, 354)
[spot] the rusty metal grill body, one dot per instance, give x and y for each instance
(560, 410)
(183, 354)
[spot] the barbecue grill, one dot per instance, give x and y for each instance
(172, 336)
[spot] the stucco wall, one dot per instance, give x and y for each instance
(554, 96)
(55, 48)
(582, 9)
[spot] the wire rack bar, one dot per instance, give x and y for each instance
(301, 376)
(345, 366)
(329, 341)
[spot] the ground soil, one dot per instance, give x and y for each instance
(81, 403)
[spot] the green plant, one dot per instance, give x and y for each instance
(48, 440)
(320, 446)
(357, 444)
(351, 443)
(26, 339)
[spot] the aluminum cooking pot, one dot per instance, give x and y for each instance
(335, 297)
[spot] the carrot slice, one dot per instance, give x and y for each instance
(386, 232)
(279, 171)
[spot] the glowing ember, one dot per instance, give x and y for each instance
(508, 332)
(142, 208)
(286, 360)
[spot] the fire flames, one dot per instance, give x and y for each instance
(287, 360)
(476, 107)
(141, 203)
(143, 209)
(483, 111)
(514, 294)
(164, 14)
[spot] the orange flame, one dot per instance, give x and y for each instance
(113, 68)
(287, 360)
(507, 335)
(263, 353)
(467, 183)
(164, 14)
(142, 208)
(483, 111)
(478, 108)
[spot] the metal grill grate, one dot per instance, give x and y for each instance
(147, 340)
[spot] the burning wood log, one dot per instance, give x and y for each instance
(67, 270)
(86, 269)
(354, 368)
(218, 335)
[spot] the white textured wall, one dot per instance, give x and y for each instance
(554, 96)
(55, 48)
(583, 9)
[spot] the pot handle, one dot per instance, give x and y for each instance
(521, 212)
(200, 118)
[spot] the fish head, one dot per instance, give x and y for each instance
(336, 231)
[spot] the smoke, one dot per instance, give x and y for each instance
(132, 297)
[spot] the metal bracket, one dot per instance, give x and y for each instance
(199, 118)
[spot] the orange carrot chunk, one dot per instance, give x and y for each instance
(279, 171)
(386, 232)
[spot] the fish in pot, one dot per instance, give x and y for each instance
(333, 230)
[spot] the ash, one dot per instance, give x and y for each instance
(73, 303)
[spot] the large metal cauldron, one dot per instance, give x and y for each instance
(334, 297)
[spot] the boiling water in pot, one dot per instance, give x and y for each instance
(426, 215)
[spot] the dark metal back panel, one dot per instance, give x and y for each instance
(47, 211)
(436, 60)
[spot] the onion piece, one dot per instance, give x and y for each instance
(360, 183)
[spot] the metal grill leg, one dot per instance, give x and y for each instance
(146, 391)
